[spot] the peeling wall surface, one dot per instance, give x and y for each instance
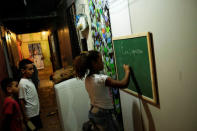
(3, 67)
(3, 74)
(83, 8)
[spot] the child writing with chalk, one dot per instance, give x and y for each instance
(99, 86)
(12, 120)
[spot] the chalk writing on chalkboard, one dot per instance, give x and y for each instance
(136, 51)
(130, 52)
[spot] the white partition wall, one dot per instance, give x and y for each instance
(73, 104)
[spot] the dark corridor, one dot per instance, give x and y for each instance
(32, 16)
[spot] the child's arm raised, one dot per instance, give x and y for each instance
(119, 83)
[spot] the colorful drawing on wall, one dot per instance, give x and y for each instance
(35, 54)
(102, 37)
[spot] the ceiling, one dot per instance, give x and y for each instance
(26, 16)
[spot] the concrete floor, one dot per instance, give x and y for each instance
(48, 105)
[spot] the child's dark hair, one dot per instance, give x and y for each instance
(23, 63)
(83, 63)
(5, 83)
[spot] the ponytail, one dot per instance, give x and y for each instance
(80, 66)
(83, 63)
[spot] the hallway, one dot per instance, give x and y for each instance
(48, 104)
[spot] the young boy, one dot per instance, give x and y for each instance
(28, 95)
(11, 110)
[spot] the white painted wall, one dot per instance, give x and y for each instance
(119, 17)
(173, 24)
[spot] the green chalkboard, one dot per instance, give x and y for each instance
(136, 51)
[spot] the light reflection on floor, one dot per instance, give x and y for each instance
(48, 104)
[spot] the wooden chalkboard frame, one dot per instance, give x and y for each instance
(153, 100)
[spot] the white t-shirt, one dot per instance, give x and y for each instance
(100, 95)
(28, 92)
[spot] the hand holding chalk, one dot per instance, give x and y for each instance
(126, 68)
